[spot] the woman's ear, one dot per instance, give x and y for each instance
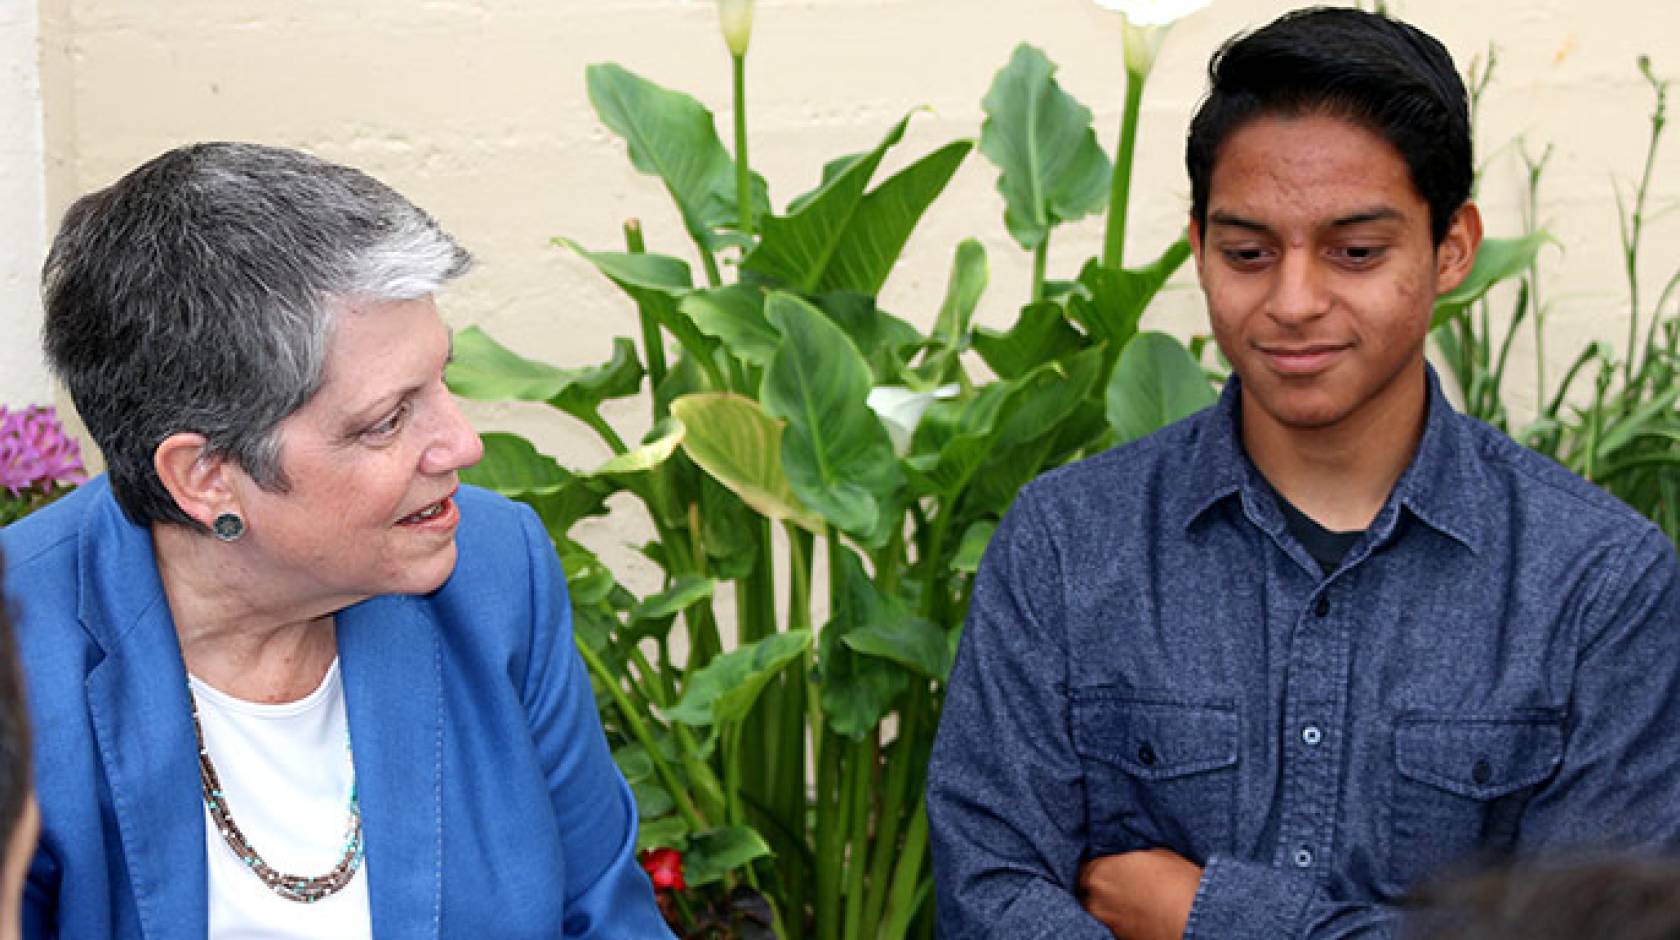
(196, 479)
(1456, 254)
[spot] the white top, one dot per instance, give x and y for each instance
(286, 775)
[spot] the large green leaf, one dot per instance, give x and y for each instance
(838, 238)
(512, 467)
(724, 689)
(672, 136)
(1053, 170)
(1043, 398)
(837, 456)
(857, 690)
(1042, 333)
(683, 593)
(485, 370)
(1496, 260)
(886, 342)
(734, 315)
(912, 642)
(1154, 384)
(717, 852)
(1114, 300)
(657, 283)
(732, 439)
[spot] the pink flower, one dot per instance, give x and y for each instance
(35, 453)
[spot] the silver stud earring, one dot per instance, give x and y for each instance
(228, 527)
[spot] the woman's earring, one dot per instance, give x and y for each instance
(228, 527)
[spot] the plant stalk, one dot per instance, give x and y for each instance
(1120, 184)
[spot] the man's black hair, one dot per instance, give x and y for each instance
(14, 730)
(1377, 72)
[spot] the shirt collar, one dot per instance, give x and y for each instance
(1445, 485)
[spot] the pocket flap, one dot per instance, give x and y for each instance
(1153, 740)
(1479, 758)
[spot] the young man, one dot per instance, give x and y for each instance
(1256, 675)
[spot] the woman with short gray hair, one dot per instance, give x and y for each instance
(290, 679)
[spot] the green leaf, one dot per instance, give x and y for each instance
(912, 642)
(886, 342)
(838, 238)
(734, 315)
(1114, 300)
(683, 593)
(1496, 260)
(732, 439)
(856, 691)
(973, 547)
(1154, 384)
(645, 457)
(724, 689)
(1040, 137)
(670, 832)
(838, 458)
(1043, 398)
(485, 370)
(634, 762)
(717, 852)
(1041, 334)
(652, 800)
(657, 283)
(969, 276)
(672, 136)
(512, 467)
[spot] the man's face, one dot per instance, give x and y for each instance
(1320, 273)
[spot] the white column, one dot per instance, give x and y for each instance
(23, 374)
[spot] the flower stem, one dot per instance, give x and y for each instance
(1120, 185)
(743, 169)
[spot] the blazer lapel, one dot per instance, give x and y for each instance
(391, 662)
(142, 718)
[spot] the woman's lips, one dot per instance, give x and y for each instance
(439, 515)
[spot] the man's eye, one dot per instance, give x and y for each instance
(391, 424)
(1361, 255)
(1245, 257)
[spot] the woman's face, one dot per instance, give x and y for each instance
(372, 461)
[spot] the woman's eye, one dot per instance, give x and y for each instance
(391, 424)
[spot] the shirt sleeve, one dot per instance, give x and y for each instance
(608, 896)
(1006, 797)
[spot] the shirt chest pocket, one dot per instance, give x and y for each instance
(1461, 787)
(1157, 773)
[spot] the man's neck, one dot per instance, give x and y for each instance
(1340, 474)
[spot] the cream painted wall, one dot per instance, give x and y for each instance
(476, 109)
(23, 377)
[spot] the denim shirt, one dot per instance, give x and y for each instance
(1150, 659)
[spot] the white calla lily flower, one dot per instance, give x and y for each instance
(900, 410)
(737, 19)
(1145, 24)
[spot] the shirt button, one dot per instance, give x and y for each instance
(1303, 857)
(1482, 772)
(1312, 735)
(1322, 608)
(1146, 754)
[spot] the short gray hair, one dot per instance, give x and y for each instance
(198, 293)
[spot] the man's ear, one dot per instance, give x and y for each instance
(196, 479)
(1456, 254)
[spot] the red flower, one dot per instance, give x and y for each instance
(664, 866)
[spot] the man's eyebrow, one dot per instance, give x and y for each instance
(1380, 214)
(1223, 217)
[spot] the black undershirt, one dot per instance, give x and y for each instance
(1325, 547)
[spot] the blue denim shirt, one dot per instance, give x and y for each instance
(1151, 659)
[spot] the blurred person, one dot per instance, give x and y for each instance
(1618, 898)
(298, 682)
(1260, 673)
(20, 819)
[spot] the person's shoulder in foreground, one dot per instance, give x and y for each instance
(1259, 674)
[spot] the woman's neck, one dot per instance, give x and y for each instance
(232, 635)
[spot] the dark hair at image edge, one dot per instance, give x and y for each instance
(197, 294)
(14, 727)
(1366, 68)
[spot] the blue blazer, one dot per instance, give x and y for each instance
(490, 804)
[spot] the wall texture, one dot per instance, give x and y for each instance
(476, 109)
(23, 220)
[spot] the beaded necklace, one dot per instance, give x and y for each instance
(299, 888)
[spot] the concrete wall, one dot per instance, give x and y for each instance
(23, 378)
(476, 109)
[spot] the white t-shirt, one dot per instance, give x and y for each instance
(286, 775)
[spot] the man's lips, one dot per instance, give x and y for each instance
(1304, 359)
